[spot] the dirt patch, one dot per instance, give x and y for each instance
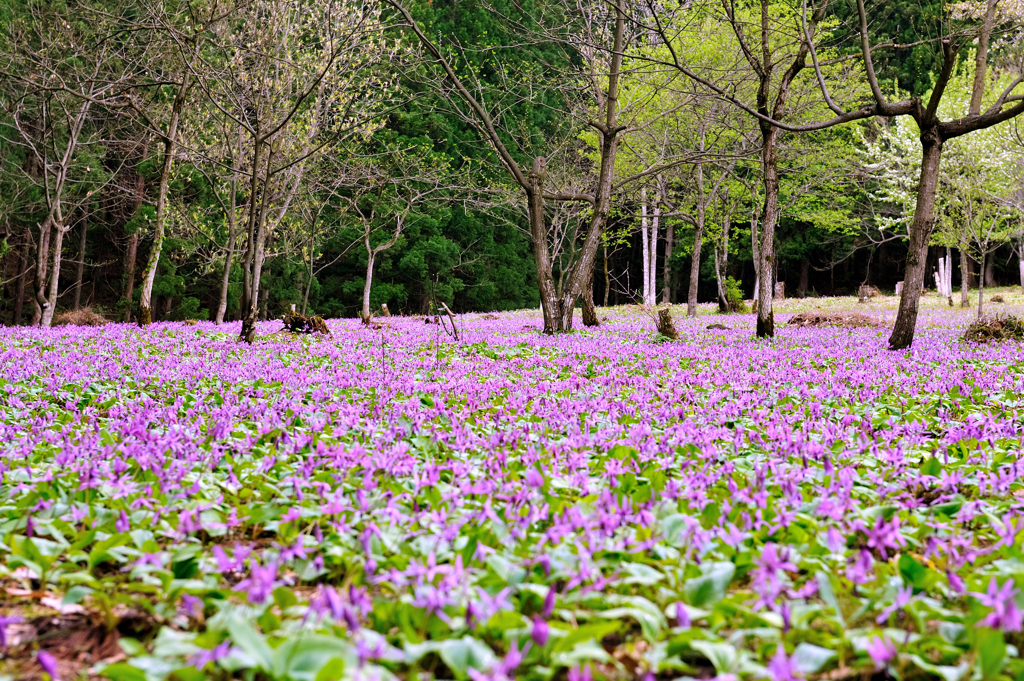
(75, 642)
(851, 320)
(994, 329)
(83, 317)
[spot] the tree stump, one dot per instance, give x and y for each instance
(665, 326)
(297, 323)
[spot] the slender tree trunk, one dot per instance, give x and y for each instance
(608, 278)
(170, 141)
(542, 256)
(766, 247)
(19, 290)
(965, 278)
(258, 237)
(666, 286)
(80, 271)
(232, 217)
(225, 280)
(805, 276)
(981, 284)
(645, 257)
(920, 233)
(370, 256)
(724, 261)
(583, 269)
(129, 273)
(589, 311)
(305, 294)
(1020, 267)
(698, 237)
(50, 308)
(42, 269)
(652, 268)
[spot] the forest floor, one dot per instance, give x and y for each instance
(391, 502)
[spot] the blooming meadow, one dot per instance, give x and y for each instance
(392, 503)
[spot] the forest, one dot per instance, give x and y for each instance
(226, 160)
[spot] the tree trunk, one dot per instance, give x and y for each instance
(698, 236)
(50, 308)
(170, 140)
(225, 280)
(652, 267)
(805, 276)
(965, 278)
(608, 279)
(129, 273)
(645, 257)
(80, 272)
(1020, 267)
(542, 256)
(589, 312)
(19, 290)
(365, 313)
(666, 285)
(766, 247)
(42, 268)
(257, 244)
(981, 284)
(583, 269)
(920, 233)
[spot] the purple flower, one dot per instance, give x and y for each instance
(903, 597)
(682, 617)
(123, 524)
(781, 667)
(549, 604)
(49, 664)
(533, 478)
(191, 606)
(1005, 614)
(881, 649)
(205, 657)
(4, 622)
(539, 632)
(261, 582)
(580, 674)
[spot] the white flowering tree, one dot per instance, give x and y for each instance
(978, 180)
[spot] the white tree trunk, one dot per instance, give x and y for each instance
(366, 288)
(652, 267)
(646, 259)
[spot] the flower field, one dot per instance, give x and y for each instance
(392, 503)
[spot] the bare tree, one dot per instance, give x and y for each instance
(293, 77)
(594, 24)
(56, 71)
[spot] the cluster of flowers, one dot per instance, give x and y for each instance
(511, 504)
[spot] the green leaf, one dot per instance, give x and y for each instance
(597, 630)
(710, 587)
(119, 671)
(583, 652)
(991, 649)
(305, 658)
(827, 594)
(251, 642)
(721, 655)
(916, 574)
(76, 594)
(931, 467)
(466, 653)
(809, 658)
